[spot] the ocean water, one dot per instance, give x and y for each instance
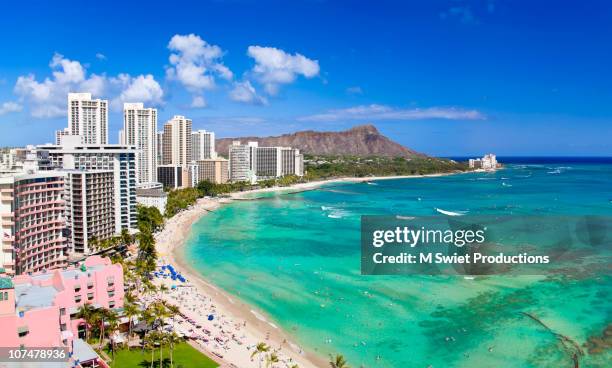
(296, 258)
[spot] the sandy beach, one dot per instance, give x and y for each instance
(236, 323)
(237, 326)
(301, 187)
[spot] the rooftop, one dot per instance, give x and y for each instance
(82, 351)
(28, 296)
(150, 193)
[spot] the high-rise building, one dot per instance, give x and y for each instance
(203, 145)
(268, 162)
(32, 210)
(215, 170)
(177, 146)
(275, 162)
(160, 147)
(59, 134)
(120, 159)
(193, 170)
(88, 118)
(487, 162)
(292, 162)
(242, 161)
(173, 176)
(251, 162)
(140, 130)
(90, 207)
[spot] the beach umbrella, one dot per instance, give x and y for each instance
(211, 317)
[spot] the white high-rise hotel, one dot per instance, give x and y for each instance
(140, 130)
(87, 118)
(203, 143)
(177, 146)
(251, 163)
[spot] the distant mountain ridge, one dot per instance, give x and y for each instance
(362, 140)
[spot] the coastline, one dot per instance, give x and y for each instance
(257, 328)
(312, 185)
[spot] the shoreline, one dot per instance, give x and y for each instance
(257, 328)
(312, 185)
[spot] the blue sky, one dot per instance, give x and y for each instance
(443, 77)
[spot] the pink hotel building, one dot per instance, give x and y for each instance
(32, 222)
(40, 310)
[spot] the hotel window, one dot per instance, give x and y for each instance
(89, 296)
(111, 304)
(63, 327)
(111, 294)
(77, 299)
(62, 311)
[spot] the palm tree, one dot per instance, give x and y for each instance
(149, 344)
(173, 339)
(148, 317)
(105, 316)
(261, 348)
(130, 310)
(113, 325)
(271, 359)
(161, 338)
(125, 237)
(86, 312)
(295, 366)
(338, 361)
(160, 313)
(101, 317)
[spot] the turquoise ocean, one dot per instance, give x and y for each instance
(296, 258)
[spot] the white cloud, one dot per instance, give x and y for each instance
(196, 63)
(47, 98)
(198, 102)
(245, 92)
(100, 56)
(10, 106)
(143, 88)
(382, 112)
(274, 67)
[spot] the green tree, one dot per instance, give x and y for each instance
(338, 361)
(149, 217)
(130, 310)
(126, 237)
(173, 339)
(149, 344)
(260, 349)
(113, 326)
(205, 188)
(271, 359)
(88, 313)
